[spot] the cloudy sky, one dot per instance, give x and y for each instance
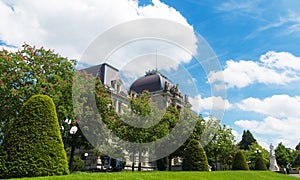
(256, 43)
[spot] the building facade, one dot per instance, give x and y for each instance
(162, 91)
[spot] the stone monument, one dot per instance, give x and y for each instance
(273, 163)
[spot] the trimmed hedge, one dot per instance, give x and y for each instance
(194, 158)
(78, 163)
(260, 164)
(33, 142)
(239, 162)
(3, 160)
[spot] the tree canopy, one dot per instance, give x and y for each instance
(283, 155)
(31, 71)
(255, 151)
(221, 148)
(247, 140)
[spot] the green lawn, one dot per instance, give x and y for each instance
(226, 175)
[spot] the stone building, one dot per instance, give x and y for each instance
(110, 77)
(162, 91)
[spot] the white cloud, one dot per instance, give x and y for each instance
(281, 60)
(281, 122)
(210, 103)
(281, 130)
(70, 26)
(273, 68)
(280, 106)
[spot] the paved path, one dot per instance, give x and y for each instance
(295, 175)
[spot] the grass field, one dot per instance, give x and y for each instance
(218, 175)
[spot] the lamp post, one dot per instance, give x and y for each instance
(216, 158)
(67, 135)
(85, 156)
(257, 151)
(257, 162)
(73, 131)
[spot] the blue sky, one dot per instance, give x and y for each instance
(256, 42)
(246, 30)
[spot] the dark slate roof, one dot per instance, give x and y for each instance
(103, 71)
(94, 70)
(150, 82)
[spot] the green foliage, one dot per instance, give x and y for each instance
(197, 132)
(194, 158)
(283, 155)
(140, 105)
(3, 160)
(239, 162)
(142, 110)
(78, 163)
(247, 140)
(33, 71)
(252, 154)
(296, 162)
(221, 148)
(33, 142)
(260, 164)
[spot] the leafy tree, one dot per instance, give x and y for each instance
(283, 155)
(194, 158)
(247, 140)
(260, 164)
(239, 162)
(296, 162)
(144, 111)
(221, 148)
(78, 163)
(197, 132)
(255, 151)
(33, 142)
(34, 71)
(140, 109)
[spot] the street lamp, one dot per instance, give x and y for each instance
(73, 130)
(257, 151)
(85, 156)
(68, 135)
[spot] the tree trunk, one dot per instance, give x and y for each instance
(71, 158)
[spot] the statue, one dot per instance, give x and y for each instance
(273, 163)
(166, 86)
(271, 150)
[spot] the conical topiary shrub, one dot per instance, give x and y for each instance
(260, 164)
(33, 142)
(239, 162)
(194, 158)
(3, 160)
